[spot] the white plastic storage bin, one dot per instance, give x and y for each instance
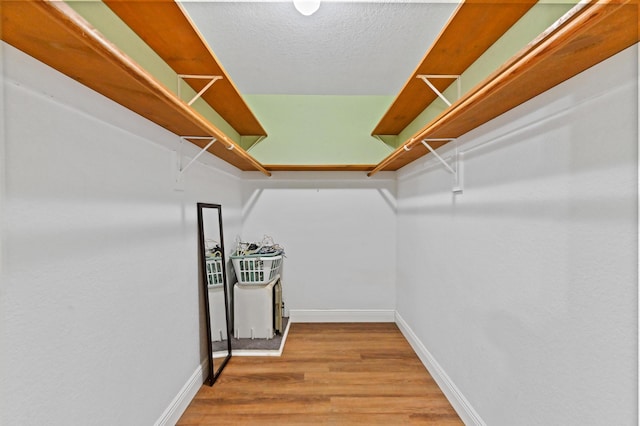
(256, 269)
(253, 311)
(214, 271)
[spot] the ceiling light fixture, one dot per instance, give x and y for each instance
(307, 7)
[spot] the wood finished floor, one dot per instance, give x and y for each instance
(328, 374)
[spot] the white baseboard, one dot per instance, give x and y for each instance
(464, 409)
(342, 315)
(182, 400)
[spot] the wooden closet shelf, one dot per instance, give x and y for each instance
(584, 36)
(56, 35)
(471, 30)
(167, 29)
(319, 167)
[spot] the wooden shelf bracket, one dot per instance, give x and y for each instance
(457, 169)
(426, 77)
(212, 79)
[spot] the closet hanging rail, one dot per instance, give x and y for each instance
(52, 32)
(587, 34)
(471, 30)
(184, 49)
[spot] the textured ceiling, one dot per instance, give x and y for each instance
(345, 48)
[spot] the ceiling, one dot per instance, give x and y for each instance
(576, 40)
(345, 48)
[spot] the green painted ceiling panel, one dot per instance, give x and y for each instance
(307, 129)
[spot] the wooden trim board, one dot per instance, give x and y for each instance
(56, 35)
(167, 29)
(588, 34)
(319, 167)
(458, 401)
(471, 30)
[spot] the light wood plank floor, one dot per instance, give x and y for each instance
(328, 374)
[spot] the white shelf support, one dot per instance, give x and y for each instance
(379, 139)
(212, 79)
(260, 139)
(426, 78)
(181, 169)
(457, 169)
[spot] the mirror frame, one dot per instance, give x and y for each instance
(213, 375)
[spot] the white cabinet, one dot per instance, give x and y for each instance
(254, 309)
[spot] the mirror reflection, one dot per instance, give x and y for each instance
(214, 278)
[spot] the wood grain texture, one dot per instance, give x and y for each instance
(319, 167)
(56, 35)
(167, 29)
(338, 374)
(471, 30)
(585, 36)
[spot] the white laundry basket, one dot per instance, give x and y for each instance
(256, 269)
(214, 271)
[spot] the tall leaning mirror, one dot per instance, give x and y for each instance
(214, 279)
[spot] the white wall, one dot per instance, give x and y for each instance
(524, 288)
(338, 230)
(101, 308)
